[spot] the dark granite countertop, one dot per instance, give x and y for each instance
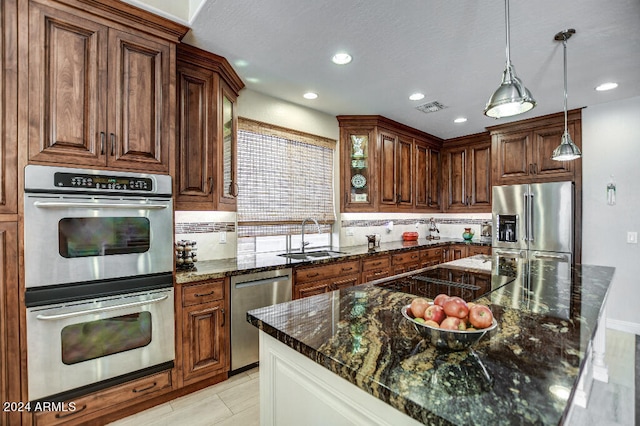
(211, 269)
(539, 346)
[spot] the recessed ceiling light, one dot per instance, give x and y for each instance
(460, 120)
(416, 96)
(253, 80)
(341, 58)
(310, 95)
(606, 86)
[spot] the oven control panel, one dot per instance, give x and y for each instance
(102, 182)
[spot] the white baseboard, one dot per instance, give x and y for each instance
(626, 326)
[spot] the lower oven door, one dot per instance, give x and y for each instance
(83, 343)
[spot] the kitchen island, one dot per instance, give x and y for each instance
(354, 353)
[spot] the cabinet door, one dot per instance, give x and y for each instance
(311, 289)
(204, 341)
(8, 110)
(458, 252)
(346, 281)
(196, 138)
(9, 320)
(455, 179)
(545, 141)
(479, 178)
(67, 87)
(473, 250)
(227, 150)
(404, 173)
(140, 111)
(512, 158)
(388, 145)
(358, 176)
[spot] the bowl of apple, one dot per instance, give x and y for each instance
(449, 322)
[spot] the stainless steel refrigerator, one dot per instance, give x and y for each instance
(534, 220)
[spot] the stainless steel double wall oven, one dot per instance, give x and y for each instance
(99, 278)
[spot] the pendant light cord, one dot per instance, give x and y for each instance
(506, 18)
(564, 43)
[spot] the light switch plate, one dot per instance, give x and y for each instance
(632, 237)
(223, 237)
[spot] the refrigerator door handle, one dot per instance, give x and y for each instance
(530, 217)
(526, 216)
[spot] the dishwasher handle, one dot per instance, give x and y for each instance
(262, 281)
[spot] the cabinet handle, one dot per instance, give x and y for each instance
(205, 294)
(415, 256)
(102, 136)
(71, 413)
(113, 143)
(347, 269)
(224, 317)
(398, 198)
(313, 275)
(535, 167)
(233, 189)
(210, 179)
(146, 389)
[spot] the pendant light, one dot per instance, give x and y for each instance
(511, 98)
(567, 150)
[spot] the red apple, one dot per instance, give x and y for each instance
(453, 323)
(418, 306)
(480, 316)
(456, 307)
(434, 313)
(440, 299)
(431, 323)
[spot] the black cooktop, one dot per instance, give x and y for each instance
(469, 285)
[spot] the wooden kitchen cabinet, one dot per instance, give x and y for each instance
(473, 250)
(8, 108)
(375, 267)
(427, 177)
(431, 257)
(312, 280)
(91, 407)
(396, 168)
(455, 252)
(522, 151)
(203, 331)
(206, 172)
(467, 174)
(101, 86)
(387, 166)
(405, 262)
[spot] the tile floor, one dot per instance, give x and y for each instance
(236, 401)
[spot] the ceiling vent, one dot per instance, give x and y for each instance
(430, 107)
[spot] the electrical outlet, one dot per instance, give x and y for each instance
(349, 232)
(223, 237)
(632, 237)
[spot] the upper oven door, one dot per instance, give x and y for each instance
(74, 238)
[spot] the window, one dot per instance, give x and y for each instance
(284, 176)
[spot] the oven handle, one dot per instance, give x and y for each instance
(105, 309)
(57, 204)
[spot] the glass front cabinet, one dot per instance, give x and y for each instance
(359, 177)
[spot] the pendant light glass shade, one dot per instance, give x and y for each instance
(512, 97)
(567, 150)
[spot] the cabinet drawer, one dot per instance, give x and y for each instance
(202, 292)
(326, 271)
(124, 395)
(376, 263)
(431, 253)
(399, 259)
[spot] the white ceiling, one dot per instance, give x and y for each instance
(453, 51)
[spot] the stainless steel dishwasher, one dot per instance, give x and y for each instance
(252, 291)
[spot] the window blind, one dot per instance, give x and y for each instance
(283, 177)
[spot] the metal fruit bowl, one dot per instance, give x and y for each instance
(454, 340)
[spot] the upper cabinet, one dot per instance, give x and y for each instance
(101, 85)
(387, 166)
(466, 167)
(8, 109)
(207, 131)
(522, 151)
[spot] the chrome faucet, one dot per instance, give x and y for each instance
(433, 228)
(302, 233)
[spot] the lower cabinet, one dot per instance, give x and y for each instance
(375, 267)
(454, 252)
(405, 262)
(431, 257)
(90, 407)
(314, 280)
(203, 331)
(473, 250)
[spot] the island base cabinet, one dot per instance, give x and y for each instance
(294, 389)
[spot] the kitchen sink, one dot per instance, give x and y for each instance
(312, 255)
